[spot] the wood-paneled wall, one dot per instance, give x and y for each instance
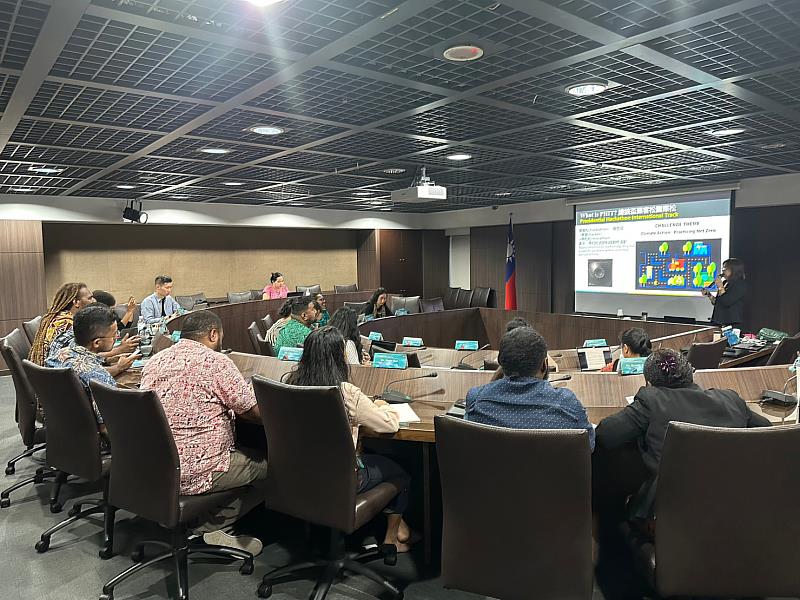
(369, 269)
(435, 263)
(22, 287)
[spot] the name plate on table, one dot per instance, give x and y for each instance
(369, 318)
(390, 360)
(288, 353)
(412, 341)
(731, 334)
(466, 344)
(175, 336)
(401, 312)
(376, 336)
(631, 366)
(598, 343)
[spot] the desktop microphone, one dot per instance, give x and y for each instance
(465, 367)
(562, 378)
(780, 398)
(395, 397)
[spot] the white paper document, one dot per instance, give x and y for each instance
(405, 413)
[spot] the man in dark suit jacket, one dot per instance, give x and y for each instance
(671, 395)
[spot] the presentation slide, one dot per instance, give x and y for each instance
(650, 256)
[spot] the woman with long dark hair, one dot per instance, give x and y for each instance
(633, 343)
(346, 321)
(378, 306)
(323, 364)
(729, 301)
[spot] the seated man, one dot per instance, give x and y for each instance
(523, 398)
(202, 392)
(69, 299)
(95, 330)
(160, 304)
(304, 314)
(670, 395)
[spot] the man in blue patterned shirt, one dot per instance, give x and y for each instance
(523, 398)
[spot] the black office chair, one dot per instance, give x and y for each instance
(380, 346)
(73, 447)
(356, 306)
(192, 302)
(410, 303)
(121, 309)
(544, 475)
(253, 333)
(33, 435)
(463, 299)
(266, 323)
(345, 289)
(146, 478)
(706, 355)
(450, 298)
(309, 289)
(256, 294)
(432, 305)
(482, 297)
(785, 352)
(236, 297)
(312, 476)
(708, 479)
(31, 329)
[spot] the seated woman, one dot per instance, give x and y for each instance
(670, 395)
(346, 321)
(324, 315)
(284, 314)
(634, 343)
(276, 288)
(377, 306)
(323, 364)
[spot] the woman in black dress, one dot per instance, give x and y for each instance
(729, 301)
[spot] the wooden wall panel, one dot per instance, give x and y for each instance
(564, 267)
(435, 263)
(369, 271)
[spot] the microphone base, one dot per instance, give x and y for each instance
(465, 367)
(393, 397)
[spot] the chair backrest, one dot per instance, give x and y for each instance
(266, 323)
(463, 298)
(450, 298)
(431, 305)
(410, 303)
(256, 294)
(146, 475)
(73, 442)
(481, 297)
(265, 346)
(31, 328)
(356, 306)
(785, 352)
(312, 458)
(253, 333)
(234, 297)
(545, 475)
(725, 526)
(121, 309)
(193, 301)
(345, 289)
(11, 348)
(706, 355)
(309, 289)
(162, 342)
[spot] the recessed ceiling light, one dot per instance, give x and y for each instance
(264, 3)
(45, 170)
(180, 197)
(232, 183)
(296, 203)
(124, 186)
(394, 171)
(459, 157)
(463, 53)
(214, 150)
(773, 146)
(502, 193)
(586, 88)
(387, 208)
(376, 202)
(362, 193)
(23, 189)
(265, 130)
(727, 131)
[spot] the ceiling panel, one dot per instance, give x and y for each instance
(371, 144)
(20, 23)
(31, 131)
(58, 156)
(548, 137)
(7, 84)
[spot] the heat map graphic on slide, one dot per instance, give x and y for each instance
(677, 265)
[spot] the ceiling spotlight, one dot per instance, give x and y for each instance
(23, 189)
(459, 157)
(124, 186)
(376, 202)
(727, 131)
(214, 150)
(265, 130)
(232, 183)
(463, 53)
(362, 193)
(45, 170)
(502, 193)
(264, 3)
(133, 212)
(586, 88)
(394, 171)
(180, 197)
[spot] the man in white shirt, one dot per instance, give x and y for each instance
(160, 304)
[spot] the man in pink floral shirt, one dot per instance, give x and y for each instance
(202, 392)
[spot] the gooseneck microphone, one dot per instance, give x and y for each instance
(464, 366)
(562, 378)
(395, 397)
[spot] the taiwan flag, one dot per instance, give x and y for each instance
(511, 270)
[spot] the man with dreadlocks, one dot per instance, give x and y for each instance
(69, 299)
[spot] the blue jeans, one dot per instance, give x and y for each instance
(378, 469)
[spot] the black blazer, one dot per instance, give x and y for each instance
(385, 311)
(645, 420)
(729, 307)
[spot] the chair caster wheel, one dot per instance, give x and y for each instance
(389, 553)
(265, 590)
(5, 502)
(55, 507)
(10, 470)
(106, 553)
(107, 597)
(37, 479)
(42, 546)
(247, 567)
(74, 510)
(137, 555)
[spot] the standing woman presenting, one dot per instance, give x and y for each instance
(276, 287)
(729, 301)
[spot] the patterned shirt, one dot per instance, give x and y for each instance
(324, 318)
(527, 403)
(201, 391)
(58, 344)
(87, 365)
(61, 323)
(292, 334)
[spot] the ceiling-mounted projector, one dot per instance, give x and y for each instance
(425, 190)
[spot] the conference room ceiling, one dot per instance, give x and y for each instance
(131, 92)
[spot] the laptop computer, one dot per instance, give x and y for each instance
(593, 359)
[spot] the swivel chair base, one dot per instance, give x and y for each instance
(11, 466)
(42, 473)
